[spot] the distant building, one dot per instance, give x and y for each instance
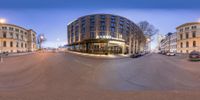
(105, 34)
(188, 37)
(173, 42)
(169, 43)
(16, 39)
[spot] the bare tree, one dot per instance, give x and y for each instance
(149, 31)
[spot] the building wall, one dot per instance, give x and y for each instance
(173, 42)
(193, 31)
(16, 39)
(169, 43)
(109, 27)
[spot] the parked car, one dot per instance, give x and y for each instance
(4, 54)
(164, 53)
(170, 54)
(135, 55)
(194, 56)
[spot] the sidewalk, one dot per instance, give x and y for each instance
(119, 56)
(19, 54)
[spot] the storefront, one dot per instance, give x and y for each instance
(99, 46)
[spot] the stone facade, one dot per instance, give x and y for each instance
(169, 43)
(16, 39)
(188, 37)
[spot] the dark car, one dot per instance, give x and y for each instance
(194, 56)
(135, 55)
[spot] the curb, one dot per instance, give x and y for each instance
(19, 54)
(97, 56)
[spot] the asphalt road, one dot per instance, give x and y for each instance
(59, 76)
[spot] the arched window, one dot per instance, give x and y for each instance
(187, 44)
(181, 45)
(4, 43)
(11, 44)
(4, 35)
(22, 45)
(186, 35)
(193, 34)
(194, 43)
(181, 36)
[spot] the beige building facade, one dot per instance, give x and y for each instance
(188, 37)
(14, 39)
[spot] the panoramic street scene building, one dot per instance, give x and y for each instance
(105, 34)
(188, 37)
(169, 43)
(14, 39)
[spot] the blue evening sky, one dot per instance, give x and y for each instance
(51, 17)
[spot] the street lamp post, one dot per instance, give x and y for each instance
(2, 21)
(41, 39)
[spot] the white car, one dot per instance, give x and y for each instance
(170, 54)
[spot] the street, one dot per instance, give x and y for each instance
(65, 76)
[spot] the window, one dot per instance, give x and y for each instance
(92, 34)
(25, 45)
(92, 23)
(92, 28)
(92, 17)
(22, 37)
(17, 36)
(11, 44)
(4, 43)
(103, 16)
(112, 24)
(11, 28)
(21, 31)
(103, 23)
(72, 36)
(102, 28)
(193, 34)
(194, 27)
(83, 35)
(181, 30)
(4, 28)
(120, 26)
(112, 29)
(4, 35)
(17, 45)
(187, 35)
(187, 28)
(112, 19)
(76, 36)
(83, 30)
(194, 43)
(181, 36)
(11, 34)
(181, 45)
(187, 44)
(22, 45)
(113, 34)
(17, 30)
(102, 33)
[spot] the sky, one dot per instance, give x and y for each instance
(50, 17)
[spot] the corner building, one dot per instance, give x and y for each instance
(16, 39)
(188, 37)
(105, 34)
